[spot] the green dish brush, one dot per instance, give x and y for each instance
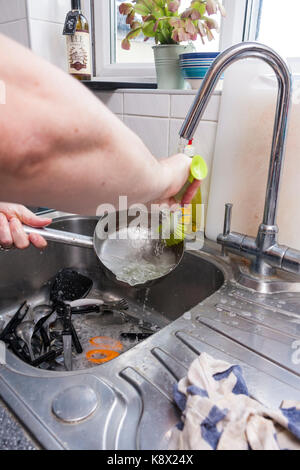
(180, 220)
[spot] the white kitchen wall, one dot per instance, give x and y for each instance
(13, 20)
(46, 19)
(157, 115)
(242, 154)
(37, 24)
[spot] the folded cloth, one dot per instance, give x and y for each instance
(218, 413)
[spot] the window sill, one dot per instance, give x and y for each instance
(100, 85)
(130, 87)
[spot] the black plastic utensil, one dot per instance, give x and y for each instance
(45, 338)
(49, 356)
(84, 309)
(135, 336)
(15, 346)
(75, 339)
(15, 321)
(70, 285)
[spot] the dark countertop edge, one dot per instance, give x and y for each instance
(98, 85)
(13, 434)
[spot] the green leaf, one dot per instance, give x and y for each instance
(141, 9)
(160, 38)
(199, 6)
(166, 31)
(134, 33)
(148, 29)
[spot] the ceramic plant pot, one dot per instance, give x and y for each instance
(169, 76)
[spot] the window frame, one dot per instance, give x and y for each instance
(252, 20)
(99, 13)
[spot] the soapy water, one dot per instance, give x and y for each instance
(135, 258)
(140, 272)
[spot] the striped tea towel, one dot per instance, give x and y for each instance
(218, 414)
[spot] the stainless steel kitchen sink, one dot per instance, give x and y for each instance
(24, 276)
(127, 403)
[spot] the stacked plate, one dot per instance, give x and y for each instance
(194, 66)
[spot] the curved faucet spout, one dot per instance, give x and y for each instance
(225, 59)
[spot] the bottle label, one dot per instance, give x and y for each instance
(79, 53)
(71, 22)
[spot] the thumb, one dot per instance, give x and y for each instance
(29, 218)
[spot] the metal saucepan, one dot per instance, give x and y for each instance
(125, 247)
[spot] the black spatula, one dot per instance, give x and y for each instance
(69, 285)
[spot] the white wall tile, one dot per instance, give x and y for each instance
(48, 42)
(147, 104)
(49, 10)
(12, 10)
(153, 131)
(17, 30)
(180, 105)
(114, 101)
(204, 142)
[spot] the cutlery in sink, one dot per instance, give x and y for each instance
(84, 306)
(118, 307)
(67, 338)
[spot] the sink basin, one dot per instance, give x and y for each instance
(24, 276)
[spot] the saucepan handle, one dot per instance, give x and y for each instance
(58, 236)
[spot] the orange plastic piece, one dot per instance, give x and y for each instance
(105, 342)
(108, 355)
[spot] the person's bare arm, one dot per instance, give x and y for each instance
(61, 147)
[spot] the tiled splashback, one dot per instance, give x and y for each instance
(38, 24)
(13, 21)
(46, 20)
(156, 116)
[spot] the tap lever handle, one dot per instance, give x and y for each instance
(227, 219)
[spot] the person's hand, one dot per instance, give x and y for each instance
(12, 216)
(174, 174)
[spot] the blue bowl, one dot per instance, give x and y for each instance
(194, 72)
(199, 55)
(194, 65)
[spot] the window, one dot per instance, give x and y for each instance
(266, 21)
(112, 62)
(276, 24)
(141, 52)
